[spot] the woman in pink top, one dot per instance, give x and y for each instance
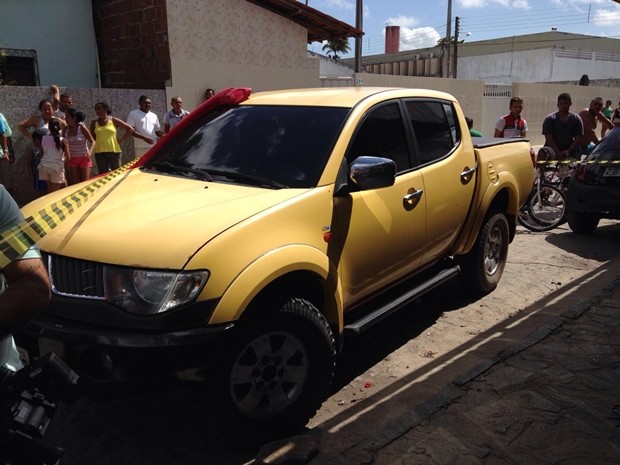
(81, 145)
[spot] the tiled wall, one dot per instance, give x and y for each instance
(20, 103)
(234, 43)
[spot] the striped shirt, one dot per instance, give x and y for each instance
(78, 144)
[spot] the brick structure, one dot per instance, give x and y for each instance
(392, 39)
(132, 42)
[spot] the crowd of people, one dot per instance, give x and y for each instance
(63, 145)
(567, 134)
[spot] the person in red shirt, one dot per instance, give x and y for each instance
(512, 124)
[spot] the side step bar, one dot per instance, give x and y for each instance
(370, 319)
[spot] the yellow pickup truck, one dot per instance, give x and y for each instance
(264, 227)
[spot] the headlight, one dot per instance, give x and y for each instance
(147, 292)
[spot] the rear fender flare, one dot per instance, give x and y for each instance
(506, 183)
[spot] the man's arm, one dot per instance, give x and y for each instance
(55, 93)
(4, 146)
(606, 122)
(158, 130)
(146, 139)
(28, 292)
(550, 142)
(589, 135)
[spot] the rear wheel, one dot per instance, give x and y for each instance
(583, 222)
(484, 265)
(278, 373)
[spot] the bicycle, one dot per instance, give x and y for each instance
(545, 208)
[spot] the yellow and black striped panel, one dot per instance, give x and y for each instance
(19, 238)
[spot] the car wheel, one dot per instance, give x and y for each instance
(582, 222)
(484, 265)
(277, 374)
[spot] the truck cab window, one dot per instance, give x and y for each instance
(435, 134)
(382, 134)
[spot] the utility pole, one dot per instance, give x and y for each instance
(457, 22)
(358, 40)
(448, 39)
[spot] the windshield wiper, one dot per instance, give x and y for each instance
(172, 168)
(251, 179)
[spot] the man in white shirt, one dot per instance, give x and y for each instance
(146, 124)
(174, 116)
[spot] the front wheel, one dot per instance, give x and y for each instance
(277, 373)
(484, 265)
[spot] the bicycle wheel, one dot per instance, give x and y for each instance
(529, 222)
(547, 207)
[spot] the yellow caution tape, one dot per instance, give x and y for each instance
(16, 240)
(577, 162)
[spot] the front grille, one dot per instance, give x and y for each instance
(76, 278)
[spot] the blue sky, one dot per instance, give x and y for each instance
(422, 22)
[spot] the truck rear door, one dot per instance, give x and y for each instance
(447, 163)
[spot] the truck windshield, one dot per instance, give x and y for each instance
(266, 146)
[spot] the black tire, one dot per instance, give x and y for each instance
(483, 266)
(582, 222)
(529, 222)
(548, 207)
(276, 375)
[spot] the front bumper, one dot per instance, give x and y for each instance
(109, 355)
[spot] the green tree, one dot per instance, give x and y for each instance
(337, 47)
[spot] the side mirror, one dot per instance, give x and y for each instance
(372, 172)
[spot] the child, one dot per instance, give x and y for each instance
(81, 145)
(55, 152)
(35, 158)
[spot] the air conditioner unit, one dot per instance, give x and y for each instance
(430, 55)
(416, 57)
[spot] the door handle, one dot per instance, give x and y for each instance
(467, 174)
(411, 199)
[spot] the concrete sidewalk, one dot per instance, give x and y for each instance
(552, 398)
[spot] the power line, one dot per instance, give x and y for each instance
(541, 19)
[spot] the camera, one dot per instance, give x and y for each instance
(28, 401)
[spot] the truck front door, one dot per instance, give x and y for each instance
(386, 230)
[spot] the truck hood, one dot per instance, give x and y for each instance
(152, 220)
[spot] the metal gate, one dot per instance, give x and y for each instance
(495, 104)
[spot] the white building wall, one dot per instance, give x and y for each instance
(586, 64)
(509, 67)
(330, 68)
(539, 65)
